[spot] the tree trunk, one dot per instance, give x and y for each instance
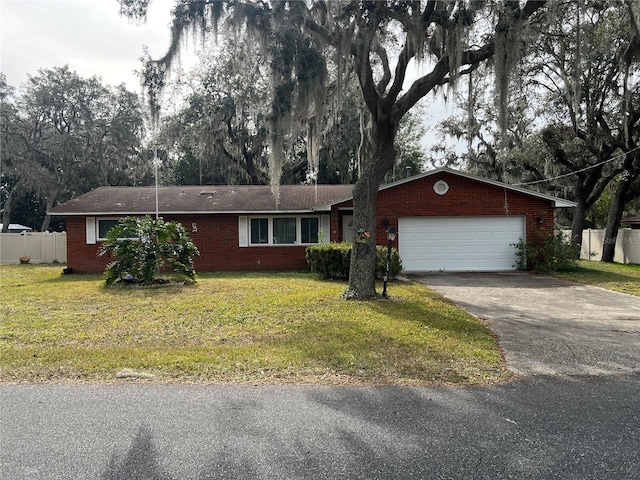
(615, 216)
(6, 216)
(51, 201)
(577, 225)
(362, 274)
(627, 189)
(12, 198)
(250, 167)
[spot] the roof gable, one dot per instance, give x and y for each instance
(558, 202)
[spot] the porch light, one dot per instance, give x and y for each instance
(391, 236)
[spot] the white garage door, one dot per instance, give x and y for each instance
(459, 243)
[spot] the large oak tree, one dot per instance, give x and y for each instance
(587, 66)
(313, 45)
(66, 135)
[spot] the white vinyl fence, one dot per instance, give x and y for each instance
(627, 245)
(39, 247)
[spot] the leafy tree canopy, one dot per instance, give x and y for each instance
(314, 46)
(64, 135)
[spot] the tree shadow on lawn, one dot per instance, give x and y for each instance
(426, 347)
(451, 320)
(75, 278)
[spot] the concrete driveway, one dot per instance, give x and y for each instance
(548, 326)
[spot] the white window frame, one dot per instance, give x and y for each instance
(98, 220)
(269, 231)
(299, 228)
(270, 218)
(272, 232)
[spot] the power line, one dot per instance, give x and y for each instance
(577, 171)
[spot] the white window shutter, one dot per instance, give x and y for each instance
(91, 230)
(243, 231)
(325, 226)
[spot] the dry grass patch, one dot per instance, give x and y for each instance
(235, 328)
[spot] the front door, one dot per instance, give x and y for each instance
(347, 228)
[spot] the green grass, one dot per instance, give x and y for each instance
(612, 276)
(236, 328)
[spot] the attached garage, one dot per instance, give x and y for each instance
(480, 243)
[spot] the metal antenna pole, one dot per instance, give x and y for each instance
(156, 164)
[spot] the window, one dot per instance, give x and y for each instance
(284, 231)
(104, 225)
(259, 230)
(281, 230)
(309, 230)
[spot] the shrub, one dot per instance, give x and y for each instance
(332, 260)
(547, 252)
(142, 247)
(395, 263)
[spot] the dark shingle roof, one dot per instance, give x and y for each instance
(202, 199)
(239, 198)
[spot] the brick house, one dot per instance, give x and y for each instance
(446, 220)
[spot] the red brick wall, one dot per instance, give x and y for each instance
(80, 256)
(217, 235)
(466, 197)
(216, 238)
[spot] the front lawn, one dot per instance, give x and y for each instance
(235, 328)
(612, 276)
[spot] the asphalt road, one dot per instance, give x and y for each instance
(533, 428)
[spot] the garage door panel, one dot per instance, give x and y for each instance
(453, 237)
(485, 250)
(459, 243)
(469, 250)
(499, 236)
(453, 250)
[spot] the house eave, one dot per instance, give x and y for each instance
(565, 204)
(186, 212)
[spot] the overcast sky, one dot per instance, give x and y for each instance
(93, 39)
(88, 35)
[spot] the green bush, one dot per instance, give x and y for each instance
(547, 253)
(332, 260)
(395, 263)
(142, 247)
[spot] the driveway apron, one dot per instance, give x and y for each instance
(548, 326)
